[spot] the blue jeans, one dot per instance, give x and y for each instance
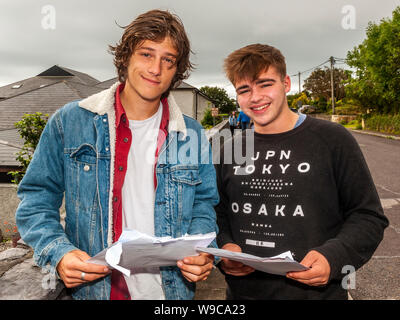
(244, 125)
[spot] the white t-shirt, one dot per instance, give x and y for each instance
(138, 196)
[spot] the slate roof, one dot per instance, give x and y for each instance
(7, 156)
(108, 83)
(51, 75)
(45, 100)
(12, 137)
(10, 144)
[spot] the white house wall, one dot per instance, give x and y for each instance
(184, 99)
(202, 105)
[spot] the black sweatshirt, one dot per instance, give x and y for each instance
(301, 190)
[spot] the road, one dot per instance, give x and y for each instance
(380, 277)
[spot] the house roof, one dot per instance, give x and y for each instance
(8, 155)
(45, 100)
(51, 75)
(108, 83)
(10, 143)
(55, 71)
(11, 137)
(184, 85)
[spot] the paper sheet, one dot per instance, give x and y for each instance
(137, 250)
(279, 265)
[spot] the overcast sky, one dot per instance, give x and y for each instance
(307, 32)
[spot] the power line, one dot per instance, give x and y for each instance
(342, 60)
(311, 68)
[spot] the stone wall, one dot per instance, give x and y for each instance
(21, 279)
(321, 116)
(8, 205)
(339, 118)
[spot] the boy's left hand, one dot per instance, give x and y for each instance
(196, 268)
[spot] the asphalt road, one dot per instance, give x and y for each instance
(379, 279)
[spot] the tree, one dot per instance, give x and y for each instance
(376, 84)
(221, 99)
(30, 129)
(319, 83)
(302, 99)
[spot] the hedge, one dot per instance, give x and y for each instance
(384, 123)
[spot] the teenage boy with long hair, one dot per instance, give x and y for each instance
(112, 154)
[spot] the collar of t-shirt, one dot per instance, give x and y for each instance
(300, 120)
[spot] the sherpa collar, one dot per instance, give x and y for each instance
(103, 102)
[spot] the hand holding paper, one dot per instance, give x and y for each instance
(136, 250)
(232, 267)
(318, 272)
(196, 268)
(279, 265)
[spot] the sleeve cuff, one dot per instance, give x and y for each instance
(333, 251)
(54, 252)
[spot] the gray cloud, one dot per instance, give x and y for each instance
(307, 32)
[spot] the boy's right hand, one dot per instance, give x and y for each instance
(234, 268)
(72, 267)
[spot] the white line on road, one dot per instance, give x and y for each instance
(389, 203)
(386, 189)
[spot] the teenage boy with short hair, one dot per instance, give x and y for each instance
(306, 188)
(112, 154)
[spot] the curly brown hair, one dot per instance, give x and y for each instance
(250, 61)
(154, 25)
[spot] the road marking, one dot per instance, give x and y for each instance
(389, 203)
(386, 189)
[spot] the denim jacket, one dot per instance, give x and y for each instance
(75, 159)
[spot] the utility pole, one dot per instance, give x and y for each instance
(299, 83)
(332, 59)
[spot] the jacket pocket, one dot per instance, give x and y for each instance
(84, 154)
(80, 193)
(184, 180)
(186, 174)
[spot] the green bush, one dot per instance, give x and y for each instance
(384, 123)
(30, 129)
(208, 121)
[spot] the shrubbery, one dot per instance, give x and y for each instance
(30, 129)
(208, 121)
(383, 123)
